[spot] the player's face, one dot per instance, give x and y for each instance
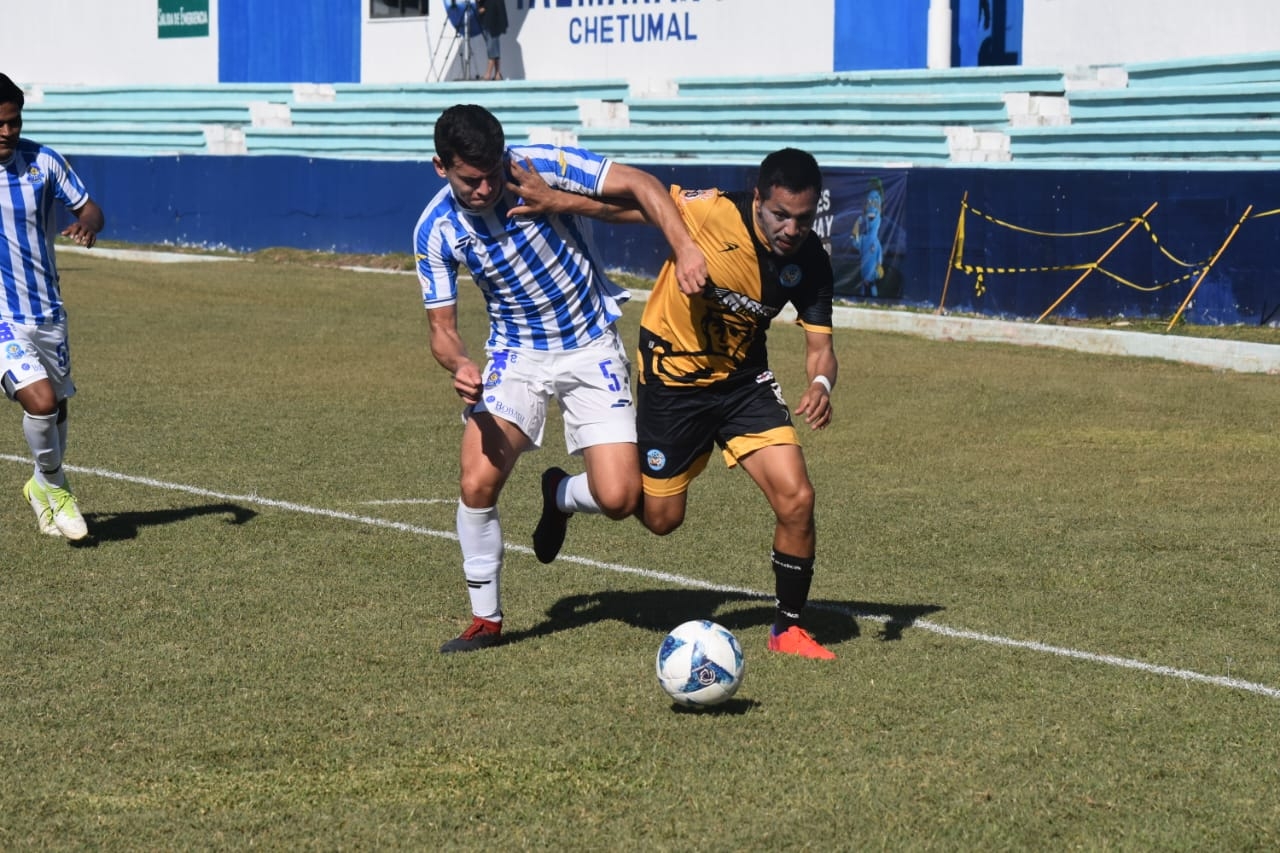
(475, 187)
(10, 128)
(785, 217)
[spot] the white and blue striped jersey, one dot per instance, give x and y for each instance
(541, 282)
(34, 178)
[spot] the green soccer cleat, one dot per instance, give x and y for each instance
(66, 512)
(39, 500)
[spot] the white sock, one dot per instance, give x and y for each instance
(574, 495)
(41, 432)
(480, 535)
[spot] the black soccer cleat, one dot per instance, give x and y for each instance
(548, 536)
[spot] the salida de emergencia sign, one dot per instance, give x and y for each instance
(179, 19)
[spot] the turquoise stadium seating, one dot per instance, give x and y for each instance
(990, 80)
(478, 91)
(1213, 111)
(1210, 111)
(1206, 71)
(853, 109)
(1199, 139)
(738, 144)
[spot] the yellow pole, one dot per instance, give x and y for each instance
(1208, 267)
(1096, 263)
(956, 243)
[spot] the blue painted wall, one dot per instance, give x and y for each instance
(289, 41)
(882, 34)
(250, 203)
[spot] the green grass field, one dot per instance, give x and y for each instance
(1050, 579)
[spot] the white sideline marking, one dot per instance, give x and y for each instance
(680, 580)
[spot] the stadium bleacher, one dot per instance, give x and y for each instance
(1214, 109)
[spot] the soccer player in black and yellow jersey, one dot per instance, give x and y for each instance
(704, 369)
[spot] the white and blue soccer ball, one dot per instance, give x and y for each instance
(700, 664)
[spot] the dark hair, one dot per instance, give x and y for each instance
(791, 168)
(11, 92)
(469, 133)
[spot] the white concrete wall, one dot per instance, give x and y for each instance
(115, 42)
(1102, 32)
(678, 37)
(97, 42)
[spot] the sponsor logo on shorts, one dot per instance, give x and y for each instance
(621, 404)
(767, 376)
(655, 459)
(504, 411)
(790, 275)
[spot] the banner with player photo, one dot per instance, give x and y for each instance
(864, 231)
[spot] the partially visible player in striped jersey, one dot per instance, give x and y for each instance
(33, 323)
(704, 368)
(551, 312)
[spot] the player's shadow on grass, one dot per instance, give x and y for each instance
(661, 610)
(117, 526)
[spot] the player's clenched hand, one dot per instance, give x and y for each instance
(536, 195)
(466, 381)
(691, 271)
(815, 407)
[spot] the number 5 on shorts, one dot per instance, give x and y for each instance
(614, 382)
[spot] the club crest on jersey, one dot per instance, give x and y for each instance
(13, 352)
(790, 275)
(34, 176)
(655, 459)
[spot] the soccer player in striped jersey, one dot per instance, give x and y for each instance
(551, 314)
(704, 366)
(36, 361)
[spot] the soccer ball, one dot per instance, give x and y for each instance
(700, 664)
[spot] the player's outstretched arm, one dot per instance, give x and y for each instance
(538, 198)
(659, 209)
(450, 352)
(820, 364)
(89, 221)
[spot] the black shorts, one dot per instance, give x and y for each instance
(676, 428)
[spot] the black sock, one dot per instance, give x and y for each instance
(792, 577)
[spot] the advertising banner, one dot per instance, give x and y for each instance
(179, 19)
(866, 233)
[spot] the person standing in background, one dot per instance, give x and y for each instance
(35, 362)
(493, 23)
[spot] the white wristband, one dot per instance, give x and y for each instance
(823, 381)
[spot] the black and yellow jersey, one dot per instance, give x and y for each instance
(719, 334)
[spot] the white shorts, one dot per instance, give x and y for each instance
(31, 353)
(592, 385)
